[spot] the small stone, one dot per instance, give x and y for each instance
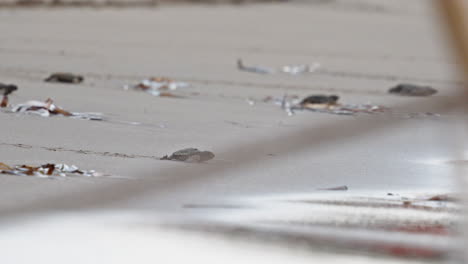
(190, 155)
(406, 89)
(6, 89)
(65, 78)
(319, 101)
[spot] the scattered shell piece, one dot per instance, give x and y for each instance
(286, 105)
(284, 102)
(406, 89)
(158, 86)
(289, 69)
(190, 155)
(64, 77)
(48, 108)
(352, 109)
(48, 170)
(300, 69)
(88, 116)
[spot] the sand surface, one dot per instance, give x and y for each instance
(363, 51)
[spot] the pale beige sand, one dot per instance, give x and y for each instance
(364, 48)
(363, 51)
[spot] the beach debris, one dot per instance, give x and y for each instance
(159, 86)
(289, 69)
(443, 198)
(3, 166)
(406, 89)
(190, 155)
(352, 109)
(255, 69)
(319, 101)
(286, 104)
(329, 104)
(299, 69)
(48, 108)
(49, 170)
(407, 203)
(337, 188)
(5, 90)
(64, 77)
(267, 99)
(284, 101)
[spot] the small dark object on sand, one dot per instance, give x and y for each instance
(407, 203)
(64, 78)
(443, 198)
(406, 89)
(319, 101)
(338, 188)
(5, 90)
(190, 155)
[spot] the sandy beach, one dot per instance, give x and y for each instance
(363, 49)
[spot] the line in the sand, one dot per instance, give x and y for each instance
(82, 151)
